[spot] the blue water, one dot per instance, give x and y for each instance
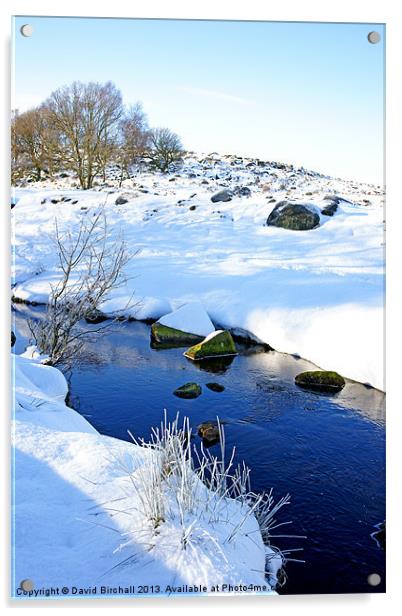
(327, 451)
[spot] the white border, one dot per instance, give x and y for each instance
(384, 11)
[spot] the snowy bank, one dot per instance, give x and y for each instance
(79, 521)
(316, 293)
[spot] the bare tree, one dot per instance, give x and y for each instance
(34, 142)
(91, 267)
(165, 148)
(134, 139)
(87, 118)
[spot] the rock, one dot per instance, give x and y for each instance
(215, 387)
(209, 432)
(333, 198)
(122, 199)
(217, 344)
(189, 390)
(13, 338)
(95, 317)
(243, 191)
(320, 380)
(192, 208)
(293, 216)
(169, 337)
(188, 324)
(222, 195)
(330, 209)
(191, 318)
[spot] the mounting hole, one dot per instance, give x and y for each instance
(373, 37)
(374, 579)
(26, 30)
(27, 585)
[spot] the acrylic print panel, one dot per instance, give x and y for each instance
(197, 289)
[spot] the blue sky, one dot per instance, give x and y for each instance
(305, 93)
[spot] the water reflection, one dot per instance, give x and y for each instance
(217, 365)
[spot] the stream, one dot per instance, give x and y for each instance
(326, 451)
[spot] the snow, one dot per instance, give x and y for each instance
(316, 293)
(77, 516)
(191, 318)
(213, 334)
(124, 301)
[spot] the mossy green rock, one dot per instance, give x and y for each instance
(293, 216)
(320, 380)
(189, 390)
(170, 337)
(218, 344)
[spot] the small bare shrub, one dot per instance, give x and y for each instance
(91, 267)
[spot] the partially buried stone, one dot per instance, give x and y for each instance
(293, 216)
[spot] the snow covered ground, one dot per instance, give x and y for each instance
(79, 522)
(316, 293)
